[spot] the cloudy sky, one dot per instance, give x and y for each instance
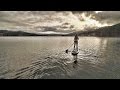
(57, 21)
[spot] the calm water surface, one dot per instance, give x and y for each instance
(44, 58)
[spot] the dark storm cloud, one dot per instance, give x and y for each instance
(103, 17)
(87, 12)
(35, 19)
(110, 17)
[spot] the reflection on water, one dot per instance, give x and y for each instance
(75, 61)
(75, 58)
(45, 58)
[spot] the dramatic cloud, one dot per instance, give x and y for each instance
(57, 21)
(110, 17)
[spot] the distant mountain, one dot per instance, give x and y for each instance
(22, 33)
(16, 33)
(108, 31)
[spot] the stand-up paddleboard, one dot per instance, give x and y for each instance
(74, 52)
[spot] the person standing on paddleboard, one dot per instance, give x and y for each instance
(76, 41)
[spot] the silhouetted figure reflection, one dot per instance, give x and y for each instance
(75, 58)
(75, 61)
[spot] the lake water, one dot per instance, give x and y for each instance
(45, 58)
